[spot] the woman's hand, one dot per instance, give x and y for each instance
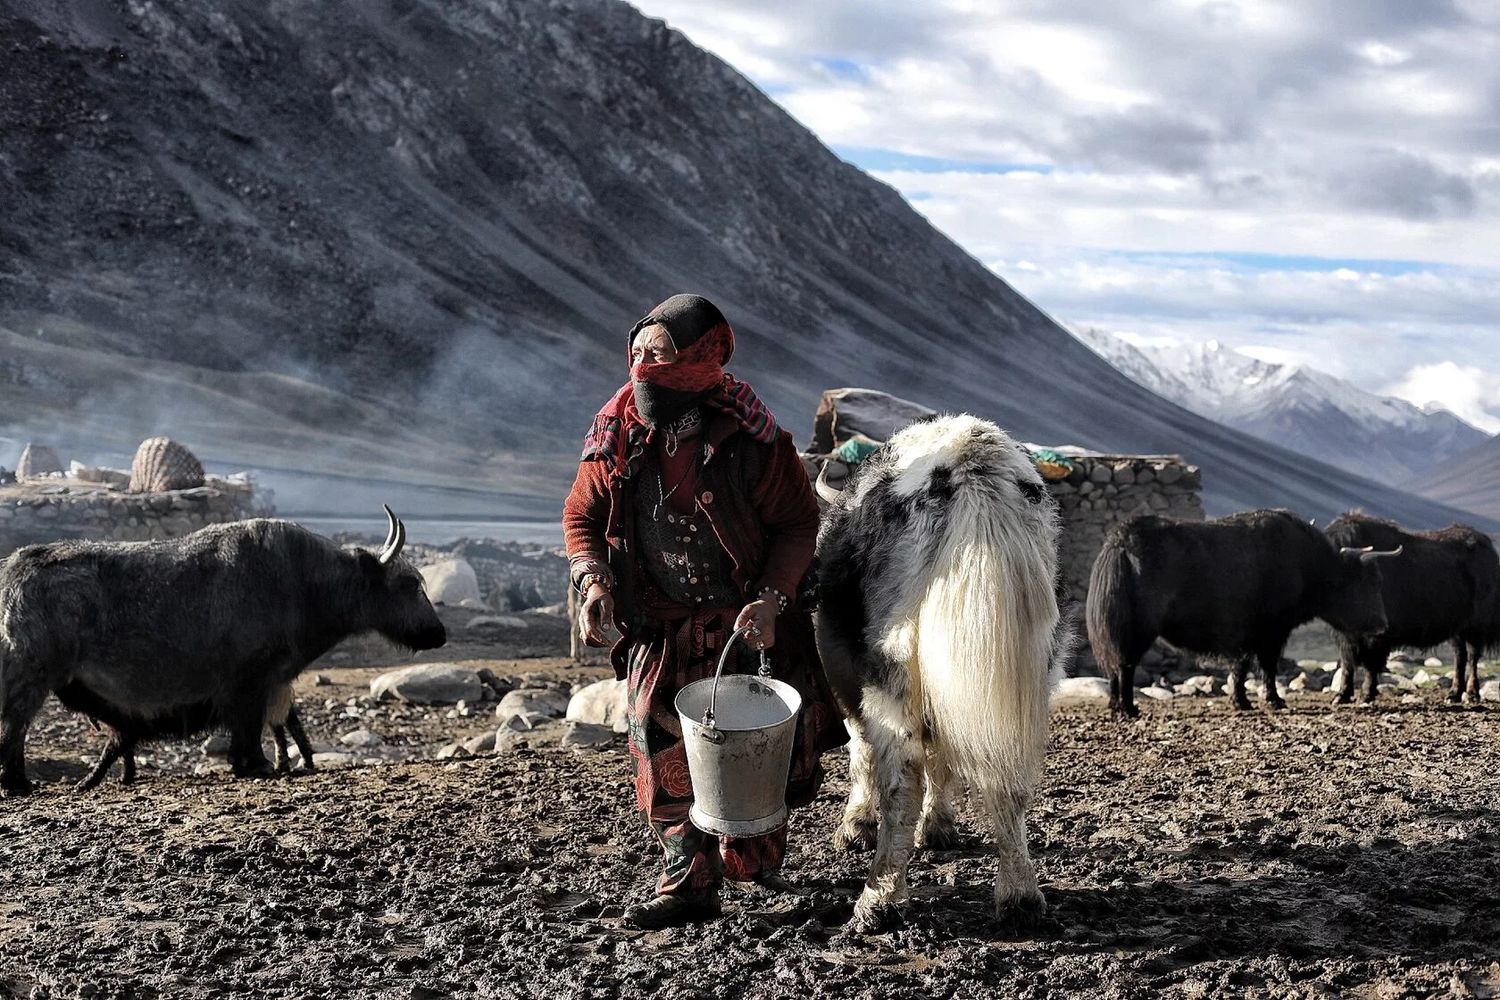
(597, 617)
(761, 617)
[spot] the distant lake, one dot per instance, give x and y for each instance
(441, 532)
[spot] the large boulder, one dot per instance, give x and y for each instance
(38, 460)
(1490, 690)
(845, 413)
(451, 581)
(429, 684)
(602, 703)
(1081, 689)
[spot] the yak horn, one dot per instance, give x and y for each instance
(395, 541)
(825, 491)
(1368, 556)
(1349, 550)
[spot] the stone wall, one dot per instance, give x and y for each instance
(45, 510)
(1103, 490)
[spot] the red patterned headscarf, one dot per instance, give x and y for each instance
(705, 343)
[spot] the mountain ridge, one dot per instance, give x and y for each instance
(434, 224)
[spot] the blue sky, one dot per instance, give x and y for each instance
(1311, 181)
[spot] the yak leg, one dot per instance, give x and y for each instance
(1122, 692)
(1239, 698)
(1350, 656)
(936, 830)
(245, 716)
(21, 702)
(894, 738)
(1374, 663)
(127, 770)
(1473, 689)
(1015, 885)
(1460, 667)
(1270, 659)
(861, 822)
(282, 761)
(112, 752)
(299, 736)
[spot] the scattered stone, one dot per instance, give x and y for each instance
(1309, 680)
(602, 703)
(1432, 663)
(429, 684)
(483, 743)
(453, 751)
(334, 759)
(361, 738)
(585, 736)
(1339, 676)
(451, 581)
(1423, 679)
(1490, 690)
(537, 701)
(474, 604)
(321, 680)
(496, 621)
(38, 460)
(524, 722)
(1157, 693)
(1081, 689)
(216, 745)
(1400, 656)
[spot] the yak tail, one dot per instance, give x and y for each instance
(990, 641)
(1111, 608)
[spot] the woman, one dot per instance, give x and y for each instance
(692, 516)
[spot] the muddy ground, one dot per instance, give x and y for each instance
(1191, 853)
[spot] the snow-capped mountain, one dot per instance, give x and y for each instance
(1301, 408)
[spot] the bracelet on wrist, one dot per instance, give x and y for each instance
(771, 593)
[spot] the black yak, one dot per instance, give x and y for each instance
(1235, 587)
(939, 629)
(1444, 588)
(220, 617)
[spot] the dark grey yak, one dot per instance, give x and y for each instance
(1444, 588)
(1234, 587)
(220, 618)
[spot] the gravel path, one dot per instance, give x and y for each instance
(1192, 853)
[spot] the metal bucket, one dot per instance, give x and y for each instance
(738, 732)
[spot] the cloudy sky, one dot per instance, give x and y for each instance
(1309, 181)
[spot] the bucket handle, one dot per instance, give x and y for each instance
(713, 694)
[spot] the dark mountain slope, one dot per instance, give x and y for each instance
(442, 216)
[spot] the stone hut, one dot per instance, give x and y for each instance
(1094, 491)
(96, 504)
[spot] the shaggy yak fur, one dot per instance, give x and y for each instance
(1234, 587)
(163, 634)
(1444, 587)
(939, 629)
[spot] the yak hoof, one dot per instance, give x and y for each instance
(89, 784)
(11, 788)
(939, 834)
(875, 918)
(1343, 698)
(1241, 704)
(1123, 712)
(1454, 697)
(1275, 704)
(856, 835)
(258, 769)
(1021, 911)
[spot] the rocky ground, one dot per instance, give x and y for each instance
(1194, 852)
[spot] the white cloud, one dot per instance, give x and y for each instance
(1468, 391)
(1290, 129)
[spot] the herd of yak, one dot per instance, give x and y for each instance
(937, 617)
(1237, 586)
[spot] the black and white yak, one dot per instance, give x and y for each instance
(939, 628)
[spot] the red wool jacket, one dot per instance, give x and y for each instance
(756, 496)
